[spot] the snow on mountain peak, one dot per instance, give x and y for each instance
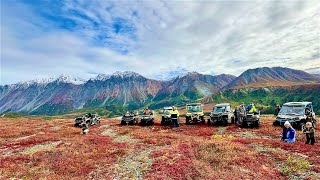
(125, 74)
(101, 77)
(68, 79)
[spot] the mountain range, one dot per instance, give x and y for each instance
(132, 91)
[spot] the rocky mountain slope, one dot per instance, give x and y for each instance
(276, 76)
(132, 91)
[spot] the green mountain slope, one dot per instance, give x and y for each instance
(266, 98)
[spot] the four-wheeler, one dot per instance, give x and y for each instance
(294, 112)
(251, 120)
(147, 119)
(221, 114)
(130, 118)
(194, 114)
(89, 119)
(166, 117)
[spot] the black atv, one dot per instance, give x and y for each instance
(89, 120)
(251, 120)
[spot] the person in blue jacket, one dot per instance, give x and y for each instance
(248, 108)
(288, 133)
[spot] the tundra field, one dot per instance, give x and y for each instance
(33, 148)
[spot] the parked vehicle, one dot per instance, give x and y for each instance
(194, 114)
(294, 112)
(251, 120)
(131, 118)
(166, 117)
(147, 119)
(89, 119)
(221, 114)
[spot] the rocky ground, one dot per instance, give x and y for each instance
(32, 148)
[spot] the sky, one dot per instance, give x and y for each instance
(157, 39)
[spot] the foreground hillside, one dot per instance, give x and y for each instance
(33, 148)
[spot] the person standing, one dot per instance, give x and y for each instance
(241, 110)
(253, 108)
(175, 117)
(309, 131)
(235, 115)
(309, 115)
(277, 110)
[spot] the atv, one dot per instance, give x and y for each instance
(166, 117)
(132, 118)
(221, 114)
(294, 112)
(194, 114)
(251, 120)
(147, 119)
(89, 119)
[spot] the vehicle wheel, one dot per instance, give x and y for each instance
(123, 123)
(187, 121)
(243, 124)
(209, 122)
(301, 126)
(152, 122)
(276, 123)
(232, 120)
(225, 122)
(203, 121)
(257, 124)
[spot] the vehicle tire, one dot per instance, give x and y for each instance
(202, 120)
(225, 122)
(187, 121)
(276, 123)
(209, 122)
(301, 126)
(257, 124)
(152, 122)
(123, 123)
(232, 120)
(243, 124)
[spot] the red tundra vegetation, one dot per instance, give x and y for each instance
(33, 148)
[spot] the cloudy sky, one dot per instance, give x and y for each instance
(158, 39)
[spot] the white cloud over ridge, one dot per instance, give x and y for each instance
(157, 39)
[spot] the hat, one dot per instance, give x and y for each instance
(287, 123)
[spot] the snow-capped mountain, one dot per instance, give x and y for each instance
(63, 94)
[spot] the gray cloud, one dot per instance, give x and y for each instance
(169, 37)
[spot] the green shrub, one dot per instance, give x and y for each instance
(294, 165)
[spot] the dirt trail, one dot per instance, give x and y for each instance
(137, 161)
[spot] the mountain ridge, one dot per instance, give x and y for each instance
(132, 90)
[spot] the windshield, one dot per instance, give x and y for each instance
(219, 109)
(295, 110)
(167, 111)
(194, 108)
